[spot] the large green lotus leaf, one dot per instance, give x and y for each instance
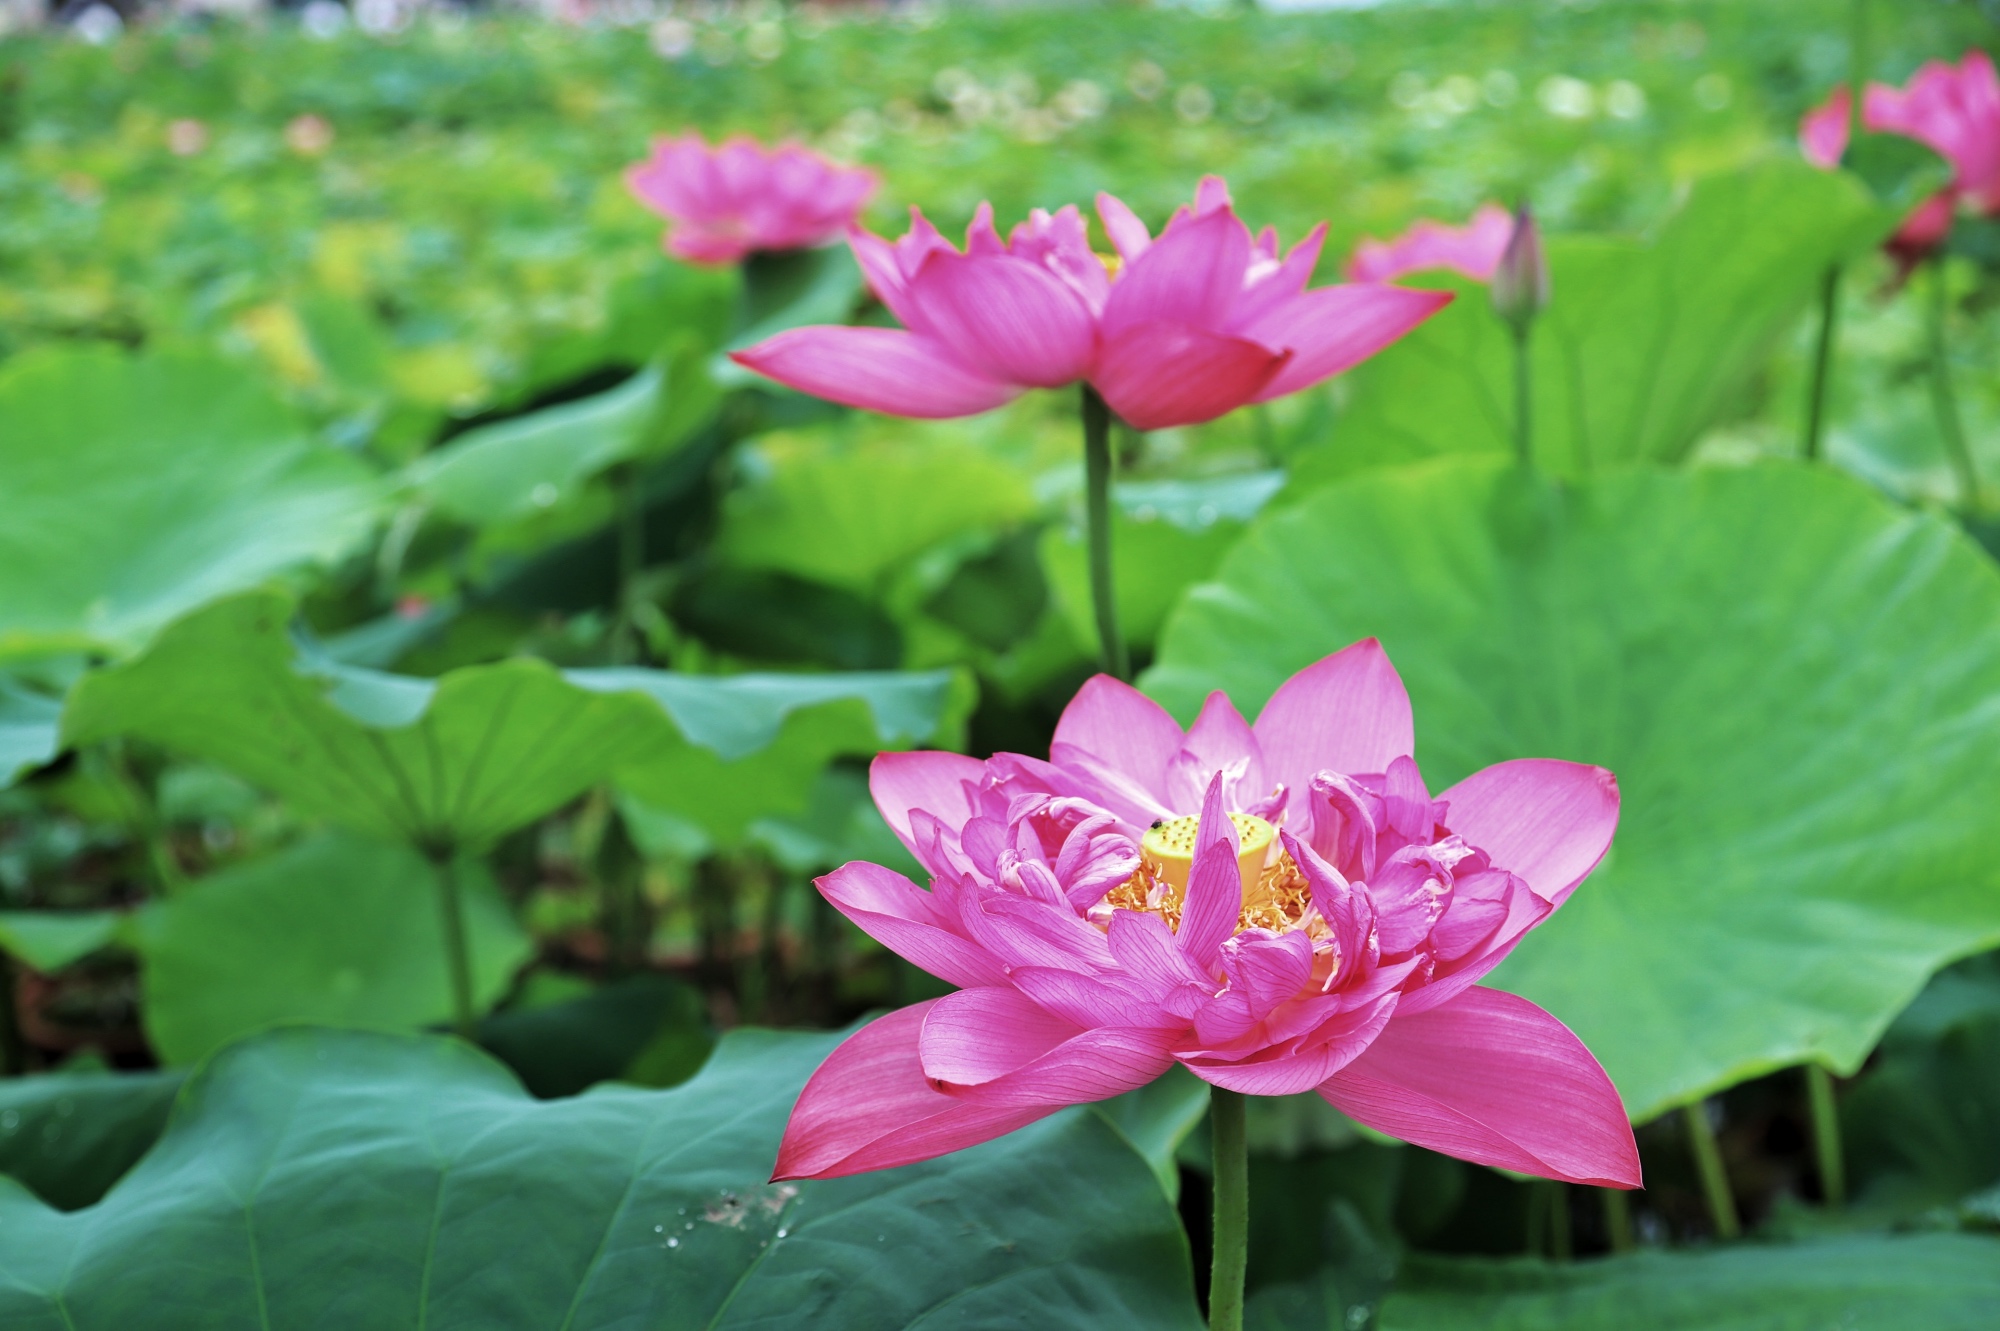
(68, 1135)
(521, 466)
(347, 1179)
(848, 515)
(29, 723)
(138, 488)
(1940, 1282)
(1794, 681)
(335, 931)
(49, 940)
(463, 759)
(1642, 344)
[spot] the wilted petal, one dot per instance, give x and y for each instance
(1333, 328)
(869, 1106)
(1493, 1079)
(877, 369)
(1548, 821)
(1164, 374)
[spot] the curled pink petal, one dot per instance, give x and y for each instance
(870, 1107)
(1548, 821)
(901, 916)
(1215, 885)
(879, 369)
(1333, 329)
(1492, 1078)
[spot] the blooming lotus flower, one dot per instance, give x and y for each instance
(1473, 250)
(1953, 110)
(1278, 908)
(1177, 329)
(739, 197)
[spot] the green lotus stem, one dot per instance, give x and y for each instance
(1097, 518)
(1524, 397)
(631, 559)
(13, 1048)
(1561, 1246)
(1708, 1164)
(1944, 400)
(1617, 1218)
(1826, 1135)
(1232, 1210)
(457, 954)
(1829, 322)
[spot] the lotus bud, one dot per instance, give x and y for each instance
(1521, 282)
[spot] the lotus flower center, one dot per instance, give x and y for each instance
(1167, 849)
(1275, 894)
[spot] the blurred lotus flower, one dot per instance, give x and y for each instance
(1521, 278)
(739, 197)
(1953, 110)
(1279, 908)
(1174, 330)
(1473, 249)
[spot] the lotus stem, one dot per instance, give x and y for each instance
(1561, 1246)
(1826, 1135)
(1944, 400)
(1829, 323)
(1097, 518)
(1708, 1164)
(1617, 1218)
(13, 1046)
(457, 954)
(631, 559)
(1232, 1210)
(1524, 397)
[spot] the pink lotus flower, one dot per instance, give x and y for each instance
(739, 197)
(1953, 110)
(1278, 908)
(1473, 249)
(1176, 330)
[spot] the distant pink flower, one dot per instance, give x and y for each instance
(1278, 908)
(738, 197)
(1473, 249)
(1953, 110)
(1177, 330)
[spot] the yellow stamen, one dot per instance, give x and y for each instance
(1112, 263)
(1275, 894)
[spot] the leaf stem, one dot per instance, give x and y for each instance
(1944, 400)
(1617, 1218)
(1708, 1164)
(1524, 397)
(457, 954)
(13, 1045)
(1232, 1210)
(1561, 1246)
(631, 559)
(1829, 325)
(1826, 1135)
(1097, 519)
